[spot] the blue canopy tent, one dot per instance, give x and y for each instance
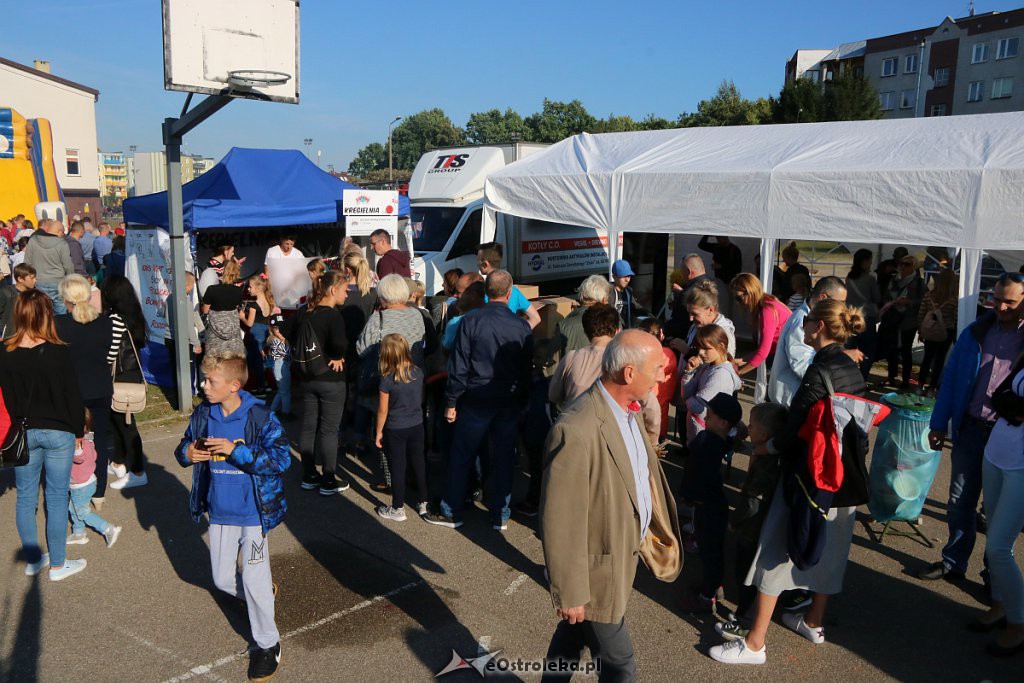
(252, 188)
(248, 189)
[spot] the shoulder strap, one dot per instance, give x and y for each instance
(380, 328)
(826, 377)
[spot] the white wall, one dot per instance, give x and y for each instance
(72, 115)
(150, 173)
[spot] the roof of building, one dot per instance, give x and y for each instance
(847, 51)
(50, 77)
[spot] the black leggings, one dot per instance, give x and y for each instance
(127, 444)
(402, 446)
(934, 359)
(897, 347)
(100, 409)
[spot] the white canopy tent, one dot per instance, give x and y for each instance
(954, 181)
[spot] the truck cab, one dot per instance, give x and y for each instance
(446, 194)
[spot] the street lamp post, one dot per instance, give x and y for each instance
(308, 142)
(391, 170)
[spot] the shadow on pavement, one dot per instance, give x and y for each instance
(21, 663)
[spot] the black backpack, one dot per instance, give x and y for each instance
(307, 351)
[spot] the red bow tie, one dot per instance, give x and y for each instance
(633, 407)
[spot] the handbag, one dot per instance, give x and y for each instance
(369, 364)
(14, 449)
(129, 397)
(933, 327)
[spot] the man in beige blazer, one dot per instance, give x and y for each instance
(605, 502)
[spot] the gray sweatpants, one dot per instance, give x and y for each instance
(254, 584)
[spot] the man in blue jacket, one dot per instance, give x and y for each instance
(238, 452)
(981, 359)
(488, 386)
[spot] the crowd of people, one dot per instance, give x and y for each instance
(387, 375)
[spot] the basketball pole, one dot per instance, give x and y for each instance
(174, 130)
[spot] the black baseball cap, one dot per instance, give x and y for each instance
(726, 407)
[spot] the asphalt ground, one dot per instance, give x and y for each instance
(362, 599)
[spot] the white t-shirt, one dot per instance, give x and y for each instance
(275, 252)
(1005, 448)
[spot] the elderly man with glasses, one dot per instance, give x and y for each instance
(981, 359)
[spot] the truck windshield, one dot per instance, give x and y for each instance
(433, 225)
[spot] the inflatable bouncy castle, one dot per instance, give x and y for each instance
(27, 174)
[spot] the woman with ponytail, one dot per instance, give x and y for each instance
(826, 328)
(323, 395)
(89, 335)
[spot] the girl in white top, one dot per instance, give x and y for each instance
(709, 373)
(1003, 482)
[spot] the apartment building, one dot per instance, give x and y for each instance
(149, 171)
(113, 177)
(969, 65)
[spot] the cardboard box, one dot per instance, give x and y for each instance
(553, 310)
(529, 291)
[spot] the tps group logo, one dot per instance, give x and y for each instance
(476, 663)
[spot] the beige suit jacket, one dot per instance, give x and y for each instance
(589, 518)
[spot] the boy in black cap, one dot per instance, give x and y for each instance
(703, 486)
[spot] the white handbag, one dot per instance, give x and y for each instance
(129, 397)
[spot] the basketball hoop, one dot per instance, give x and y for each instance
(246, 79)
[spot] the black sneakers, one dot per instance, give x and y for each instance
(442, 520)
(263, 663)
(311, 483)
(333, 485)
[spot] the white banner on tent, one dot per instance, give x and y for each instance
(147, 266)
(289, 281)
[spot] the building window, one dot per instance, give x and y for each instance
(889, 66)
(1007, 47)
(975, 91)
(941, 77)
(858, 71)
(910, 64)
(938, 110)
(71, 155)
(887, 100)
(908, 99)
(979, 53)
(1002, 88)
(813, 75)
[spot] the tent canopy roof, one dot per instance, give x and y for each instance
(946, 181)
(252, 188)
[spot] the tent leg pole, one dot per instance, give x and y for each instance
(970, 287)
(182, 316)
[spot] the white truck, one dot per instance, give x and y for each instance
(446, 194)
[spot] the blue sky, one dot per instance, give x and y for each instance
(363, 64)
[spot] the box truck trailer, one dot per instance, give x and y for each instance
(446, 195)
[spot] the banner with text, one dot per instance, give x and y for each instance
(147, 266)
(564, 255)
(369, 210)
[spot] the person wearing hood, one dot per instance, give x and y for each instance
(49, 254)
(389, 261)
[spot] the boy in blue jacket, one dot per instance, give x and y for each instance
(238, 452)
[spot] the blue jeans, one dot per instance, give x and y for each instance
(282, 368)
(81, 512)
(50, 290)
(472, 426)
(964, 492)
(49, 450)
(1004, 508)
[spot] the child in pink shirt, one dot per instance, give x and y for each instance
(83, 487)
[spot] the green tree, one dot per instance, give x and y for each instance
(371, 157)
(652, 122)
(494, 126)
(728, 108)
(851, 98)
(558, 120)
(422, 132)
(799, 101)
(615, 124)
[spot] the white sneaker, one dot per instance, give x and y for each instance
(36, 567)
(70, 568)
(737, 652)
(112, 533)
(78, 539)
(388, 512)
(130, 481)
(422, 509)
(118, 471)
(796, 623)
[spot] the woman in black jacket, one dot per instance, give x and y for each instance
(89, 335)
(39, 385)
(128, 339)
(829, 324)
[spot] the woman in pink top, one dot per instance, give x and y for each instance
(768, 316)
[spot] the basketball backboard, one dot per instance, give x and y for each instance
(205, 40)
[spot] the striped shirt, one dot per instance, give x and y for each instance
(119, 331)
